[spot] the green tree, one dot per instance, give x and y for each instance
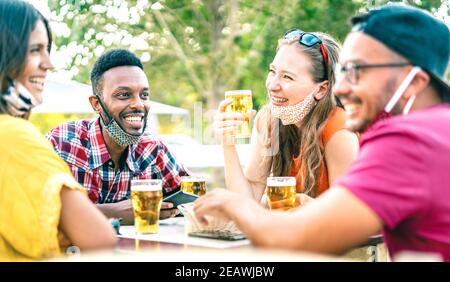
(194, 50)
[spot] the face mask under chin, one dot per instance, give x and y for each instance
(120, 136)
(295, 113)
(18, 99)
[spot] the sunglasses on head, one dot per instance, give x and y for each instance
(307, 39)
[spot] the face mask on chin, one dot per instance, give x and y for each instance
(386, 113)
(117, 133)
(293, 114)
(18, 99)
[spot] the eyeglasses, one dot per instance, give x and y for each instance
(351, 70)
(307, 39)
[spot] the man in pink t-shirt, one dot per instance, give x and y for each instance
(392, 63)
(402, 174)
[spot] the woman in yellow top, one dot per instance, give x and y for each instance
(302, 131)
(43, 209)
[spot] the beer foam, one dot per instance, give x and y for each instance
(281, 181)
(146, 185)
(238, 92)
(193, 178)
(146, 188)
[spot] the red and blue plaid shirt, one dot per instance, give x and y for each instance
(81, 145)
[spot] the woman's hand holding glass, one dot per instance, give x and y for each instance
(226, 123)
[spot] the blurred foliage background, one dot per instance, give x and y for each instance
(194, 50)
(46, 121)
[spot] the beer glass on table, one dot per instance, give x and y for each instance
(281, 192)
(146, 197)
(242, 103)
(194, 185)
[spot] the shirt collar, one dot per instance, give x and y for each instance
(99, 154)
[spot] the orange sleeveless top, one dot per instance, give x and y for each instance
(335, 122)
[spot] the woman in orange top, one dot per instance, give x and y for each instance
(301, 132)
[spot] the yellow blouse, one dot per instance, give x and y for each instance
(31, 178)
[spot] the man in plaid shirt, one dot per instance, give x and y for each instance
(105, 153)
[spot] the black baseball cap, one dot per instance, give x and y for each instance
(414, 34)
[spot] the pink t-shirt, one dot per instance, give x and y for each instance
(403, 174)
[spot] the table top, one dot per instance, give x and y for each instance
(172, 234)
(172, 244)
(149, 251)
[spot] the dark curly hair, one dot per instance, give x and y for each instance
(111, 59)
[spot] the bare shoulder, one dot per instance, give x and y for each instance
(343, 137)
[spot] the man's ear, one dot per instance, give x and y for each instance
(95, 103)
(323, 90)
(417, 85)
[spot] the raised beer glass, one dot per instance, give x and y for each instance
(242, 103)
(146, 197)
(194, 185)
(281, 193)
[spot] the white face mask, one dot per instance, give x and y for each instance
(401, 89)
(295, 113)
(18, 99)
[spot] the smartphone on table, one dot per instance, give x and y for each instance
(179, 198)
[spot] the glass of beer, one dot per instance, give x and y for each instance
(242, 103)
(194, 185)
(281, 193)
(146, 197)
